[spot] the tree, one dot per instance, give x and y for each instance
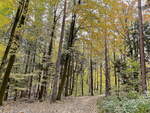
(14, 50)
(56, 78)
(142, 54)
(70, 42)
(14, 26)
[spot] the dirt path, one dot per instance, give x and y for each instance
(85, 104)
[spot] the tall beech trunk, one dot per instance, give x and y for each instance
(91, 78)
(64, 75)
(101, 78)
(107, 74)
(69, 45)
(43, 88)
(97, 82)
(67, 82)
(76, 93)
(26, 62)
(44, 77)
(67, 86)
(115, 71)
(82, 83)
(52, 33)
(15, 41)
(7, 91)
(58, 66)
(73, 78)
(38, 86)
(31, 78)
(6, 78)
(26, 70)
(71, 75)
(142, 54)
(13, 29)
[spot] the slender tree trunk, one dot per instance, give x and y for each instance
(71, 75)
(66, 87)
(52, 34)
(64, 75)
(38, 86)
(7, 92)
(73, 78)
(43, 88)
(115, 71)
(16, 93)
(76, 93)
(69, 45)
(11, 61)
(101, 78)
(82, 84)
(118, 92)
(97, 82)
(15, 23)
(142, 54)
(107, 75)
(68, 76)
(31, 78)
(72, 88)
(56, 78)
(27, 60)
(6, 78)
(91, 78)
(43, 71)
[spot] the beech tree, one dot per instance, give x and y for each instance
(21, 16)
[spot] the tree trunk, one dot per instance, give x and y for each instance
(97, 82)
(67, 86)
(44, 78)
(91, 78)
(115, 71)
(14, 49)
(142, 54)
(73, 78)
(31, 78)
(38, 86)
(56, 78)
(6, 78)
(15, 23)
(101, 78)
(82, 84)
(107, 75)
(63, 80)
(69, 45)
(76, 93)
(7, 92)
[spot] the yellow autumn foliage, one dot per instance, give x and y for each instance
(6, 9)
(1, 50)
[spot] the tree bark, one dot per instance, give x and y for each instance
(82, 83)
(11, 61)
(15, 23)
(6, 78)
(115, 71)
(101, 78)
(91, 78)
(56, 77)
(142, 54)
(68, 56)
(107, 74)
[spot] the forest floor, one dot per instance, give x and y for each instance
(85, 104)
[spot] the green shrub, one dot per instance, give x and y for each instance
(133, 95)
(131, 104)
